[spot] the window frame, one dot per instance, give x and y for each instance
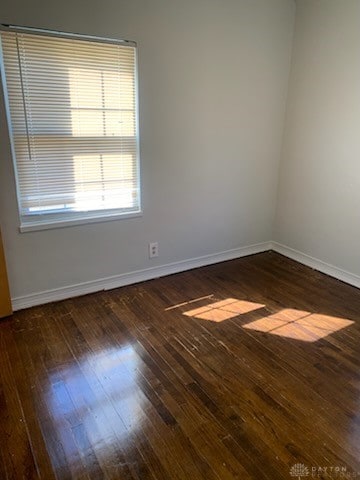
(46, 221)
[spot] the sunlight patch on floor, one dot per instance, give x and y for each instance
(288, 322)
(299, 325)
(223, 310)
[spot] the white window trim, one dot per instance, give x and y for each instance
(52, 224)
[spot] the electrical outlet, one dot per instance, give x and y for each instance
(153, 249)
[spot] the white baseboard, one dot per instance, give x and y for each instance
(116, 281)
(316, 264)
(121, 280)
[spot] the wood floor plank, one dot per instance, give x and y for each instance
(22, 446)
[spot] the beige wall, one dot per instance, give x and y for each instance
(319, 191)
(213, 80)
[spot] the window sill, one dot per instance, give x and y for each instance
(68, 222)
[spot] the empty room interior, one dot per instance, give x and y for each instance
(179, 245)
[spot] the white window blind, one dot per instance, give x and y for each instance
(73, 115)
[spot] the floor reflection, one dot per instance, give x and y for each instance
(96, 404)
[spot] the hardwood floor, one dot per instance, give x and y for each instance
(237, 370)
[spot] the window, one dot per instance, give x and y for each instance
(72, 106)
